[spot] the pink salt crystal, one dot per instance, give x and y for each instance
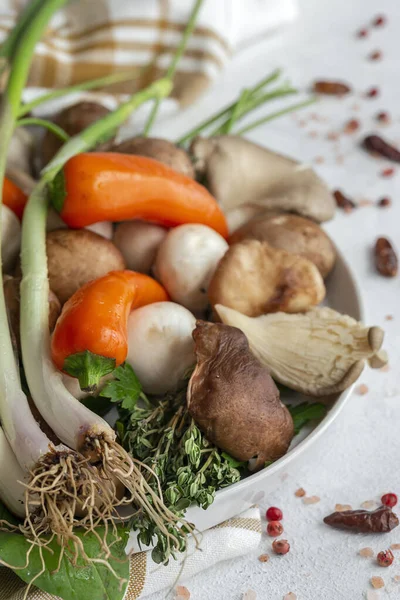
(396, 578)
(395, 547)
(311, 500)
(366, 552)
(372, 595)
(319, 160)
(389, 318)
(182, 593)
(300, 493)
(290, 596)
(342, 507)
(362, 389)
(263, 558)
(332, 136)
(249, 595)
(313, 134)
(377, 583)
(365, 202)
(368, 504)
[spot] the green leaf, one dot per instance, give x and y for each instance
(232, 461)
(88, 368)
(303, 413)
(84, 582)
(125, 388)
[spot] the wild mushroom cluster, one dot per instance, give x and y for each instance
(243, 310)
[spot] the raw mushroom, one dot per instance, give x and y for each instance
(243, 175)
(255, 279)
(10, 238)
(160, 345)
(293, 234)
(73, 120)
(138, 242)
(233, 398)
(77, 256)
(318, 353)
(159, 149)
(186, 261)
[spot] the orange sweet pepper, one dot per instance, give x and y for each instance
(106, 186)
(14, 197)
(90, 337)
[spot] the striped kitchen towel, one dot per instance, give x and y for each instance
(93, 38)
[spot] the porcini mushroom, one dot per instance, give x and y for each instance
(318, 353)
(159, 149)
(243, 175)
(186, 261)
(77, 256)
(255, 279)
(294, 234)
(138, 242)
(233, 398)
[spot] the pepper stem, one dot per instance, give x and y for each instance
(88, 368)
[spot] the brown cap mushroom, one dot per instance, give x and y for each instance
(318, 353)
(255, 279)
(73, 119)
(233, 399)
(294, 234)
(159, 149)
(241, 174)
(75, 257)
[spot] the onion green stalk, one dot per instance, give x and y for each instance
(53, 127)
(175, 60)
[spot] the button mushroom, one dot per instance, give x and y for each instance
(77, 256)
(186, 261)
(293, 234)
(318, 353)
(138, 242)
(160, 345)
(159, 149)
(245, 176)
(254, 279)
(234, 400)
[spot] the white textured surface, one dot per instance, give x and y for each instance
(360, 457)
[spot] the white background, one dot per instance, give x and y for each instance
(360, 457)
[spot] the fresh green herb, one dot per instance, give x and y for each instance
(189, 468)
(88, 368)
(305, 412)
(59, 576)
(124, 388)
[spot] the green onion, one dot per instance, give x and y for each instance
(53, 127)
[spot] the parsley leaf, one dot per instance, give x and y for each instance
(303, 413)
(124, 389)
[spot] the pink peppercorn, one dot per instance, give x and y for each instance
(274, 514)
(389, 500)
(274, 528)
(281, 546)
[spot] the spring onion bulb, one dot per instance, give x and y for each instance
(12, 493)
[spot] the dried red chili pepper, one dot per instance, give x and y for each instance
(332, 88)
(377, 145)
(385, 258)
(343, 201)
(381, 520)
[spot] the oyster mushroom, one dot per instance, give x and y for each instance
(293, 234)
(159, 149)
(255, 279)
(318, 353)
(233, 399)
(249, 178)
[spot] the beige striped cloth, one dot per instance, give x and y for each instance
(231, 539)
(94, 38)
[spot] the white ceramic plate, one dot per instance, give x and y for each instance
(343, 296)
